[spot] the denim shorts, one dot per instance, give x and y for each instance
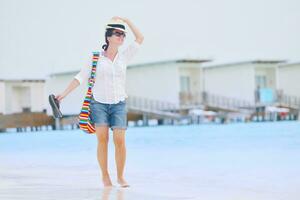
(111, 115)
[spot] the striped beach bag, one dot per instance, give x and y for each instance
(85, 122)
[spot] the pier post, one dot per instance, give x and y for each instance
(145, 120)
(57, 124)
(160, 121)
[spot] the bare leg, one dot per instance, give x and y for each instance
(120, 154)
(102, 136)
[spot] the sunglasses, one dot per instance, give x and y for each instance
(119, 34)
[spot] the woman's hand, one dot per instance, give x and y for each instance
(59, 97)
(139, 38)
(119, 18)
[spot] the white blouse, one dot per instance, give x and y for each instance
(110, 80)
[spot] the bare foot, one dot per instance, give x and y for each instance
(106, 181)
(122, 182)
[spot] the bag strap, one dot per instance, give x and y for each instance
(93, 71)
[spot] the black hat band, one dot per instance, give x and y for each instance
(116, 26)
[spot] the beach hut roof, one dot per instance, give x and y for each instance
(156, 63)
(22, 80)
(290, 64)
(167, 62)
(246, 63)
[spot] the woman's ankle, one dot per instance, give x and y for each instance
(105, 175)
(121, 178)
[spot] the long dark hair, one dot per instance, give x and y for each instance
(108, 33)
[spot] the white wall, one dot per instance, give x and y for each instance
(20, 97)
(235, 81)
(289, 79)
(37, 97)
(158, 82)
(20, 94)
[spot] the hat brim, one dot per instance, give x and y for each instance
(120, 29)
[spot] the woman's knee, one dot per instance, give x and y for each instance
(102, 134)
(119, 137)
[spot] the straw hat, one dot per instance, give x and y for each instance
(116, 24)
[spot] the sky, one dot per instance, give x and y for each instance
(39, 37)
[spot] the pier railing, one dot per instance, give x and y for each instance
(191, 98)
(205, 98)
(288, 100)
(151, 104)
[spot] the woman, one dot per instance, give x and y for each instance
(108, 105)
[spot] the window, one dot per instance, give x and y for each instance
(261, 81)
(184, 83)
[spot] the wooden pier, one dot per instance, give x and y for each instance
(144, 109)
(21, 121)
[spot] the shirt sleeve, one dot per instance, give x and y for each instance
(83, 75)
(131, 51)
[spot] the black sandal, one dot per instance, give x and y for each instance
(54, 103)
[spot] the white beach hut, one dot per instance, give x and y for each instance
(18, 96)
(163, 82)
(172, 81)
(252, 81)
